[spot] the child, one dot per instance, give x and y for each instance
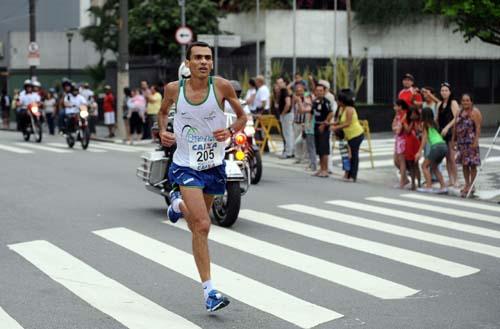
(413, 136)
(399, 127)
(436, 154)
(311, 148)
(345, 153)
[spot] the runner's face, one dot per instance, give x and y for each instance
(200, 62)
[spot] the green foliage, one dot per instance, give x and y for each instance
(164, 18)
(276, 69)
(385, 13)
(474, 18)
(104, 34)
(249, 5)
(97, 74)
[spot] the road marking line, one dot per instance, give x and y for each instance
(133, 148)
(493, 147)
(14, 149)
(477, 247)
(461, 203)
(112, 148)
(443, 210)
(7, 321)
(492, 159)
(103, 293)
(265, 298)
(44, 148)
(342, 275)
(414, 258)
(65, 146)
(367, 155)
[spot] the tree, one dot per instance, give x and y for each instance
(474, 18)
(157, 21)
(385, 13)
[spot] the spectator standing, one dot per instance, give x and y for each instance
(136, 114)
(448, 110)
(109, 111)
(323, 114)
(437, 153)
(466, 134)
(430, 100)
(286, 118)
(128, 94)
(93, 116)
(328, 94)
(413, 137)
(409, 93)
(262, 101)
(49, 107)
(152, 108)
(353, 131)
(399, 127)
(301, 105)
(5, 108)
(86, 92)
(298, 79)
(250, 95)
(146, 92)
(15, 101)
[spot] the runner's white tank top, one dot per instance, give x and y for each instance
(194, 125)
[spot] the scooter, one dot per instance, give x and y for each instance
(155, 165)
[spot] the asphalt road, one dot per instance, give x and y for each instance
(83, 245)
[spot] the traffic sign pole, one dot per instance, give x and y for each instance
(182, 3)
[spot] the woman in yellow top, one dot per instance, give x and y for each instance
(347, 122)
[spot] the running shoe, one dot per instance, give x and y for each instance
(443, 190)
(215, 301)
(425, 189)
(172, 215)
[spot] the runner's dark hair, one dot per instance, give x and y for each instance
(197, 44)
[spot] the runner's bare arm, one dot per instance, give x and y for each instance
(226, 91)
(171, 91)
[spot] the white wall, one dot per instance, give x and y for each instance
(53, 51)
(428, 39)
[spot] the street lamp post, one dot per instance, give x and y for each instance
(69, 35)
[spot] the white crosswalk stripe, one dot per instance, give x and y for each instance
(265, 298)
(442, 210)
(332, 272)
(105, 294)
(65, 146)
(112, 147)
(413, 258)
(418, 218)
(398, 230)
(44, 148)
(134, 148)
(461, 203)
(7, 322)
(14, 149)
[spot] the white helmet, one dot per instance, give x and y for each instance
(27, 82)
(37, 84)
(184, 72)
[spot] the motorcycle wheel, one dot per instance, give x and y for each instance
(256, 168)
(38, 132)
(26, 135)
(85, 138)
(70, 140)
(226, 208)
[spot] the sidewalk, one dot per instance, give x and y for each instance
(384, 173)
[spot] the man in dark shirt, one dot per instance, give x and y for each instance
(322, 111)
(286, 119)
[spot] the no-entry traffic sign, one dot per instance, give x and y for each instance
(183, 35)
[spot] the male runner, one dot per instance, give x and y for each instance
(198, 168)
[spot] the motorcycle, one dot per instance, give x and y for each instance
(33, 123)
(155, 167)
(77, 123)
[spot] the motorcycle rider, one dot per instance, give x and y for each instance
(73, 101)
(61, 108)
(198, 168)
(26, 97)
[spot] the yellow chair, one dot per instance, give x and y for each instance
(266, 122)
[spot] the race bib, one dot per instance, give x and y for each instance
(205, 153)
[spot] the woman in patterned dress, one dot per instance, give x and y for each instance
(466, 135)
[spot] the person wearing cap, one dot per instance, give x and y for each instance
(25, 99)
(109, 111)
(86, 92)
(328, 94)
(409, 93)
(61, 108)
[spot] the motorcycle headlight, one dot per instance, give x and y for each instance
(239, 155)
(240, 139)
(34, 109)
(84, 114)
